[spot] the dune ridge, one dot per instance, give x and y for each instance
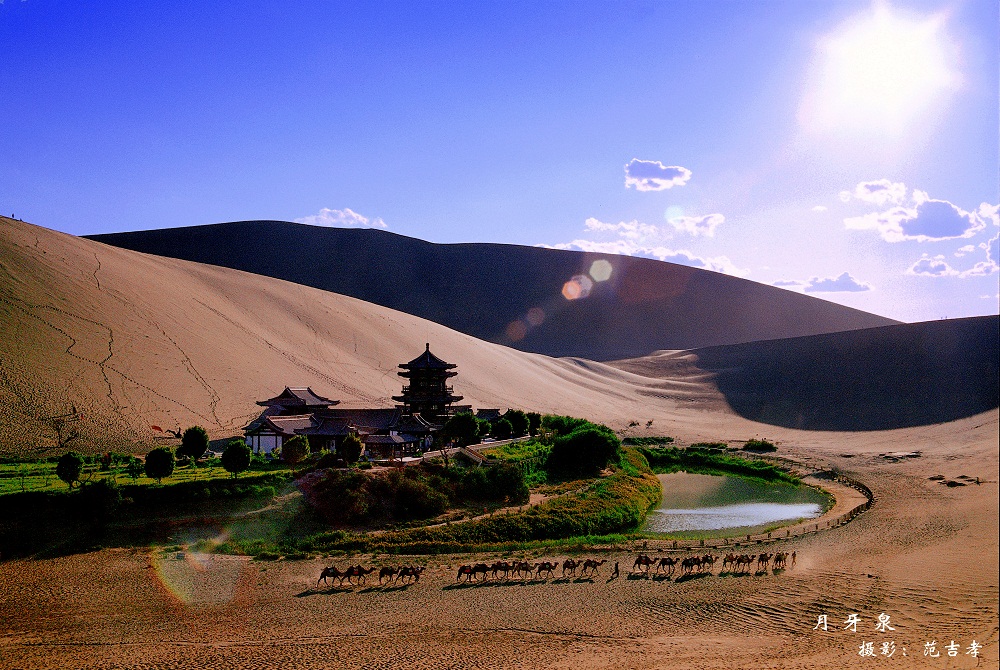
(481, 289)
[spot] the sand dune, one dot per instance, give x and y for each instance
(481, 289)
(871, 379)
(133, 340)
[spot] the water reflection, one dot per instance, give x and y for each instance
(711, 502)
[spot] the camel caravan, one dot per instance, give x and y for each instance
(500, 571)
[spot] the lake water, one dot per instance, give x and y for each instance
(693, 502)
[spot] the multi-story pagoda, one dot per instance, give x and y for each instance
(427, 393)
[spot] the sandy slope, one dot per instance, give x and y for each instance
(512, 294)
(146, 331)
(131, 340)
(925, 554)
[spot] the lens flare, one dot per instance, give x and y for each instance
(600, 270)
(516, 330)
(535, 317)
(577, 288)
(193, 578)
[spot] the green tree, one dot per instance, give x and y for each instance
(236, 457)
(350, 448)
(463, 428)
(194, 443)
(502, 429)
(585, 451)
(69, 467)
(534, 422)
(159, 464)
(519, 422)
(135, 468)
(295, 450)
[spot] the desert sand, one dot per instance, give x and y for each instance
(172, 342)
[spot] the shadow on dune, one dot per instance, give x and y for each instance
(511, 294)
(873, 379)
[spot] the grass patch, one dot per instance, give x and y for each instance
(608, 506)
(703, 461)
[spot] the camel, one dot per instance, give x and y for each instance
(779, 560)
(689, 564)
(481, 569)
(502, 567)
(570, 566)
(643, 562)
(332, 573)
(545, 566)
(743, 560)
(410, 573)
(708, 560)
(763, 560)
(667, 562)
(359, 572)
(465, 570)
(387, 572)
(729, 560)
(523, 569)
(590, 565)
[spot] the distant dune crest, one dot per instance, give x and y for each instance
(523, 297)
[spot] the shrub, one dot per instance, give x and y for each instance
(760, 446)
(194, 443)
(295, 450)
(585, 451)
(69, 467)
(159, 463)
(534, 422)
(350, 448)
(502, 429)
(519, 422)
(463, 428)
(236, 457)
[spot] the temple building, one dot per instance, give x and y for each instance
(427, 402)
(427, 392)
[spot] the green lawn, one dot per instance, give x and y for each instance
(41, 476)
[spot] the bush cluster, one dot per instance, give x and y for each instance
(709, 462)
(580, 448)
(407, 494)
(613, 504)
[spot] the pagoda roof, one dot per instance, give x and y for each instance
(298, 396)
(427, 361)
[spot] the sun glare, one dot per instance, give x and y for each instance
(879, 73)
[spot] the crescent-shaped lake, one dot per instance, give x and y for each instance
(695, 502)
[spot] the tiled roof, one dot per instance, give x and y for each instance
(298, 396)
(427, 360)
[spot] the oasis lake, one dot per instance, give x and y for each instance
(697, 502)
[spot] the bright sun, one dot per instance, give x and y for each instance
(878, 74)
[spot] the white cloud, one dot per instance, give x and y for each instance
(967, 249)
(624, 247)
(819, 208)
(341, 218)
(844, 283)
(632, 230)
(988, 212)
(928, 221)
(931, 267)
(654, 175)
(698, 225)
(880, 192)
(936, 266)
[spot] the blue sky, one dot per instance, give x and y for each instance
(844, 149)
